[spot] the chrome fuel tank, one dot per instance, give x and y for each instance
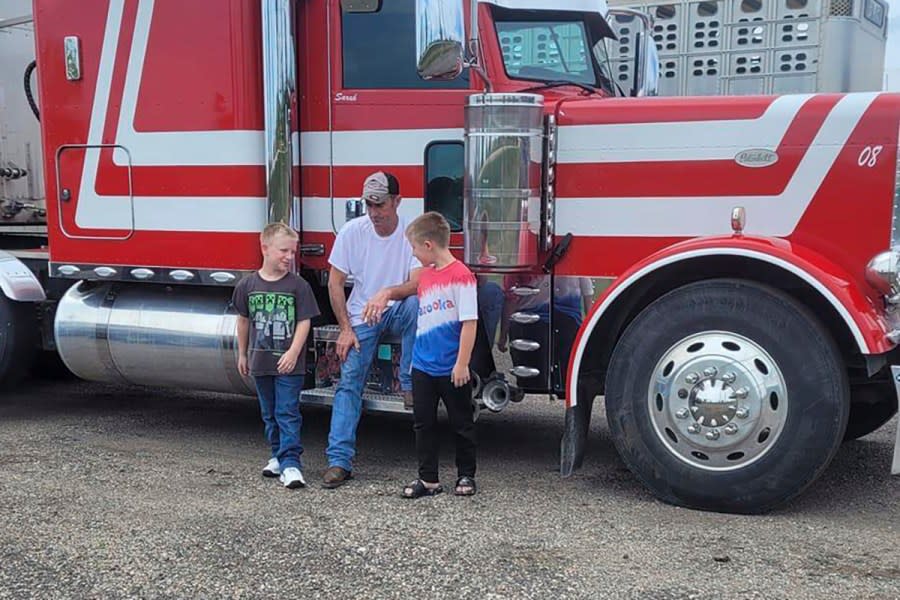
(150, 335)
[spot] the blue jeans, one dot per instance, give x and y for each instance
(400, 320)
(490, 307)
(279, 404)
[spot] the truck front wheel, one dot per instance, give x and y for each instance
(18, 341)
(726, 395)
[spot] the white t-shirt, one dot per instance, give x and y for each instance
(375, 262)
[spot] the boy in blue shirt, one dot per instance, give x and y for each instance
(445, 337)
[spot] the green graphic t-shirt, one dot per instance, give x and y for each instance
(274, 308)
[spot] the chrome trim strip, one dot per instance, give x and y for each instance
(147, 274)
(548, 196)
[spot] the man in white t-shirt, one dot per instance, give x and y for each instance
(375, 251)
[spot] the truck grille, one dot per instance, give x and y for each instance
(841, 8)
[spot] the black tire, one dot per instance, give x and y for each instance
(18, 341)
(809, 362)
(871, 406)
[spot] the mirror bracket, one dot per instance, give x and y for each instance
(646, 59)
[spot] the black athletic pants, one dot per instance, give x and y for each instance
(427, 391)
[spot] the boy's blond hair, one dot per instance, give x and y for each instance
(432, 227)
(273, 229)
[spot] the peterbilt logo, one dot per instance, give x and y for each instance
(756, 158)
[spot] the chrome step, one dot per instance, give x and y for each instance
(372, 401)
(524, 290)
(524, 372)
(525, 318)
(525, 345)
(330, 333)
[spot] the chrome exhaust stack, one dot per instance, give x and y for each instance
(279, 94)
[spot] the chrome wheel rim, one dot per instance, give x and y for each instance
(717, 401)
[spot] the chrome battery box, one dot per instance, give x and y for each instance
(383, 376)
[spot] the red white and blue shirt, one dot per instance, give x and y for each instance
(447, 297)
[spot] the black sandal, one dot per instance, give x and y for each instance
(465, 482)
(417, 489)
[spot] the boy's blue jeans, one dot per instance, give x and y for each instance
(400, 319)
(279, 404)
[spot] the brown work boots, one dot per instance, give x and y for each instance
(335, 477)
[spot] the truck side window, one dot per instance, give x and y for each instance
(379, 50)
(444, 181)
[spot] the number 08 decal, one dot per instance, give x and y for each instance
(869, 156)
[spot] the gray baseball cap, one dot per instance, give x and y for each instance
(380, 186)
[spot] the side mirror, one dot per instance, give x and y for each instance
(440, 39)
(646, 65)
(646, 58)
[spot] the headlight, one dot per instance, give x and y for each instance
(882, 273)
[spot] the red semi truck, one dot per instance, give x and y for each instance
(723, 270)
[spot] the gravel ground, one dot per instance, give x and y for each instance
(110, 491)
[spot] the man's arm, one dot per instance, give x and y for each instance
(378, 303)
(337, 279)
(406, 289)
(347, 338)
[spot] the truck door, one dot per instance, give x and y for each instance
(383, 116)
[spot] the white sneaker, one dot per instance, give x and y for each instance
(272, 468)
(292, 478)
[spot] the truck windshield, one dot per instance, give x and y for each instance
(552, 51)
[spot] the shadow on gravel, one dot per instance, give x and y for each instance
(857, 481)
(514, 434)
(524, 440)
